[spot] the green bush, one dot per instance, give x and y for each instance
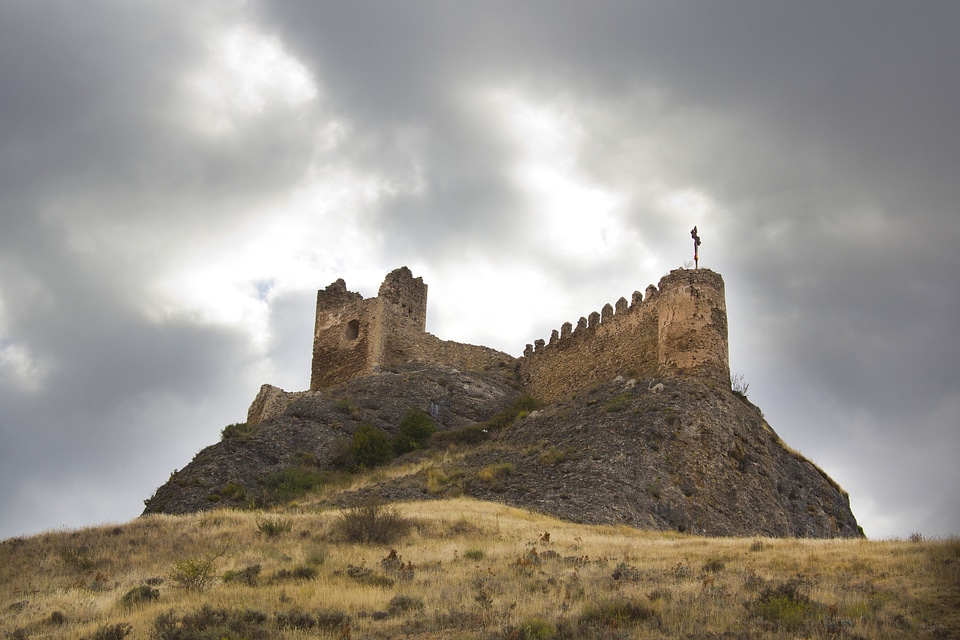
(274, 526)
(139, 595)
(784, 605)
(292, 482)
(414, 432)
(474, 554)
(248, 575)
(371, 447)
(237, 431)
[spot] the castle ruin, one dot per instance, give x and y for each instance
(356, 336)
(678, 328)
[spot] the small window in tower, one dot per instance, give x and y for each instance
(353, 329)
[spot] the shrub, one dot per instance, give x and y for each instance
(619, 403)
(117, 631)
(372, 523)
(292, 482)
(402, 604)
(714, 565)
(78, 559)
(414, 432)
(616, 613)
(139, 595)
(295, 619)
(469, 435)
(474, 554)
(784, 605)
(493, 475)
(534, 629)
(556, 455)
(240, 431)
(344, 407)
(371, 447)
(299, 573)
(273, 527)
(248, 575)
(332, 620)
(196, 574)
(208, 623)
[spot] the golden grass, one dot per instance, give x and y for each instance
(482, 570)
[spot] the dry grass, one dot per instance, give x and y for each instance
(470, 569)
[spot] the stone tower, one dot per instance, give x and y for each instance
(354, 337)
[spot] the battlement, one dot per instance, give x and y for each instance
(678, 328)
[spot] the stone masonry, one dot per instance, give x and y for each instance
(676, 329)
(355, 337)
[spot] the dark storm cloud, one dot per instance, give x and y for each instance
(819, 137)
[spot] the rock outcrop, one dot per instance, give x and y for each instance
(692, 457)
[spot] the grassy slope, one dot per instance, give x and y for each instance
(480, 570)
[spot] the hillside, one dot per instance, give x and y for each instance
(685, 456)
(463, 569)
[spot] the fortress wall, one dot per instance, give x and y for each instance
(343, 347)
(619, 343)
(354, 337)
(678, 329)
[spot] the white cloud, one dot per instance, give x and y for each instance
(245, 74)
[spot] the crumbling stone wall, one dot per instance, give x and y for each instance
(354, 337)
(676, 329)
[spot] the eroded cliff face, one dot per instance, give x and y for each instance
(687, 456)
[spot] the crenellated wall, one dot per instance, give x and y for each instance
(678, 328)
(355, 337)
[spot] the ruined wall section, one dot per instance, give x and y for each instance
(344, 338)
(356, 337)
(677, 329)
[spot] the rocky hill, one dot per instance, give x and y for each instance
(675, 454)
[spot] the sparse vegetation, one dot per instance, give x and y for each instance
(197, 573)
(466, 569)
(240, 431)
(292, 482)
(413, 433)
(370, 447)
(274, 526)
(372, 523)
(738, 385)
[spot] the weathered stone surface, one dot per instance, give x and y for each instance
(294, 425)
(693, 457)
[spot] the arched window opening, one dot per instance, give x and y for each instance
(353, 330)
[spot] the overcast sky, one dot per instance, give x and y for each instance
(178, 178)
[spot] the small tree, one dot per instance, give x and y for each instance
(413, 433)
